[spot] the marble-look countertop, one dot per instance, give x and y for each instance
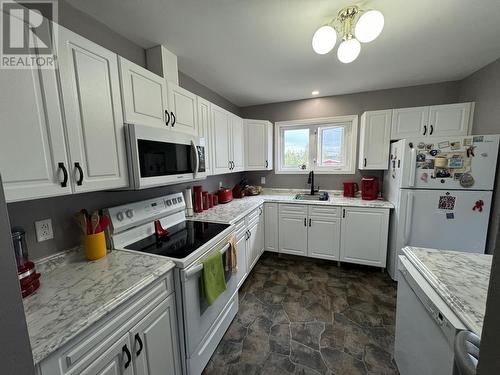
(238, 208)
(461, 280)
(76, 293)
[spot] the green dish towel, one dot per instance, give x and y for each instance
(212, 277)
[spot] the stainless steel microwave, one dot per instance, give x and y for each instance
(160, 156)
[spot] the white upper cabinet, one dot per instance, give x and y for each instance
(258, 145)
(450, 119)
(183, 108)
(90, 89)
(237, 141)
(375, 138)
(221, 133)
(409, 122)
(437, 120)
(34, 158)
(203, 129)
(144, 96)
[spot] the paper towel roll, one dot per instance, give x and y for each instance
(188, 198)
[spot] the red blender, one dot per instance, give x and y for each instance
(28, 277)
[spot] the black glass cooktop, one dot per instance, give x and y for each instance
(181, 240)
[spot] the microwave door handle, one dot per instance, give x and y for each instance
(196, 158)
(413, 165)
(408, 217)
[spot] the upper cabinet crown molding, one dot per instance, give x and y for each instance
(90, 88)
(436, 120)
(258, 145)
(375, 136)
(144, 96)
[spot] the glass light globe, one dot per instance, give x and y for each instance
(348, 50)
(324, 40)
(369, 26)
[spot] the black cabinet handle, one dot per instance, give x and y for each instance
(127, 353)
(167, 117)
(234, 165)
(61, 166)
(364, 163)
(80, 171)
(173, 118)
(267, 164)
(139, 341)
(343, 213)
(305, 222)
(425, 129)
(310, 221)
(432, 130)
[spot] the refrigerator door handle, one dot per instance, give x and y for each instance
(413, 161)
(409, 210)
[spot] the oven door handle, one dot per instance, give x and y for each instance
(196, 158)
(194, 270)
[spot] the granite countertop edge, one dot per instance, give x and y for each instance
(453, 303)
(44, 350)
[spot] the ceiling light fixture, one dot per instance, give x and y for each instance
(315, 92)
(355, 26)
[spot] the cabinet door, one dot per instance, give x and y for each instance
(221, 131)
(450, 119)
(203, 130)
(252, 245)
(156, 341)
(90, 88)
(32, 139)
(260, 232)
(293, 234)
(144, 95)
(255, 145)
(183, 104)
(241, 254)
(375, 138)
(237, 144)
(409, 122)
(271, 227)
(363, 238)
(113, 360)
(323, 237)
(269, 144)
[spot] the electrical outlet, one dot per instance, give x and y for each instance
(220, 184)
(44, 230)
(263, 180)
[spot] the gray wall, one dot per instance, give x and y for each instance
(62, 209)
(14, 341)
(483, 87)
(440, 93)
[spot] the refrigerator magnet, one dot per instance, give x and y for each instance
(466, 180)
(455, 162)
(447, 202)
(421, 145)
(477, 139)
(444, 144)
(420, 157)
(467, 141)
(450, 215)
(424, 176)
(434, 152)
(455, 145)
(429, 146)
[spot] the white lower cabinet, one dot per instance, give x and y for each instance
(140, 338)
(293, 229)
(323, 235)
(271, 227)
(363, 237)
(155, 345)
(255, 244)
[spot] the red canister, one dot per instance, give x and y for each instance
(198, 198)
(210, 200)
(215, 200)
(205, 200)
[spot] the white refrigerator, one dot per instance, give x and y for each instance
(442, 191)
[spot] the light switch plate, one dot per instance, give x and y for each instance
(44, 230)
(263, 180)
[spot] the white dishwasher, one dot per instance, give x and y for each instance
(425, 326)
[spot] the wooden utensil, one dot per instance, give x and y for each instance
(94, 219)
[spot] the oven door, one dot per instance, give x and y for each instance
(162, 156)
(199, 317)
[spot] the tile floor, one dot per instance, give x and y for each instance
(306, 316)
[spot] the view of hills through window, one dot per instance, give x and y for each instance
(296, 146)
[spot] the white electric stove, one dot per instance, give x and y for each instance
(159, 227)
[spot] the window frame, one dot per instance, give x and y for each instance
(350, 143)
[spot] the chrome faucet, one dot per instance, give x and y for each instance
(310, 180)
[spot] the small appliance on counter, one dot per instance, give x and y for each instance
(238, 191)
(350, 189)
(225, 195)
(29, 279)
(369, 188)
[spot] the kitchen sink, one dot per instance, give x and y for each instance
(323, 196)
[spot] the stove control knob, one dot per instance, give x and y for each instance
(169, 202)
(179, 200)
(129, 213)
(119, 216)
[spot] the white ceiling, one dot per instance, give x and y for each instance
(259, 51)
